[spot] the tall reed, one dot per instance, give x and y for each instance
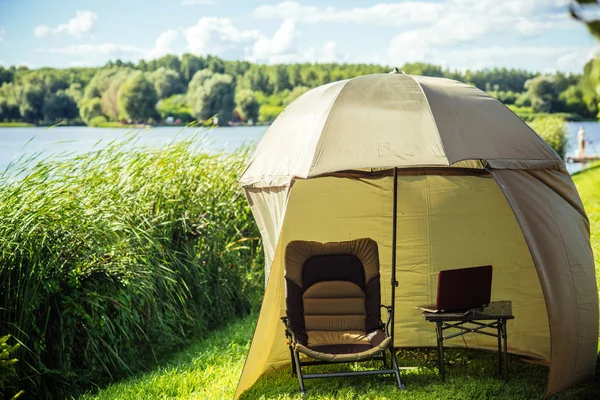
(111, 258)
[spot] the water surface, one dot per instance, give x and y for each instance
(65, 141)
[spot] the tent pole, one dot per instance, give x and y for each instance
(394, 281)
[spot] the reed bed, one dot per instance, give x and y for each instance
(111, 259)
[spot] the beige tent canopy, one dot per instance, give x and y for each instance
(475, 186)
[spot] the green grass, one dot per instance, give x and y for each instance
(110, 260)
(207, 369)
(588, 185)
(210, 368)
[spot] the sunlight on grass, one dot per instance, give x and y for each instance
(206, 370)
(211, 368)
(588, 185)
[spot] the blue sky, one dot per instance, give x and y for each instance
(532, 34)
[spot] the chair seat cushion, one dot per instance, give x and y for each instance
(345, 352)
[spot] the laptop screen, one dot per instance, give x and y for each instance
(464, 288)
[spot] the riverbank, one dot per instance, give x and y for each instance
(16, 125)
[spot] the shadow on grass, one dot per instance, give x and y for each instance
(470, 374)
(210, 369)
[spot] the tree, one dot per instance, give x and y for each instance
(75, 91)
(109, 99)
(248, 105)
(258, 80)
(168, 61)
(90, 108)
(281, 79)
(9, 106)
(215, 64)
(31, 102)
(212, 94)
(542, 93)
(294, 94)
(295, 74)
(554, 132)
(59, 106)
(166, 82)
(175, 106)
(190, 64)
(137, 98)
(6, 75)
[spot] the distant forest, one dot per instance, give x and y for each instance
(191, 87)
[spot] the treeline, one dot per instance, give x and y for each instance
(190, 88)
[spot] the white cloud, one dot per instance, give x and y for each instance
(79, 26)
(161, 47)
(470, 21)
(1, 34)
(563, 58)
(106, 49)
(328, 52)
(576, 59)
(281, 42)
(410, 12)
(324, 54)
(196, 2)
(430, 30)
(213, 35)
(1, 62)
(162, 44)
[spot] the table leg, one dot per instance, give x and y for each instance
(499, 327)
(505, 371)
(440, 343)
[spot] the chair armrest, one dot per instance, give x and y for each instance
(390, 311)
(289, 333)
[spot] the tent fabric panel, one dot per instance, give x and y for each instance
(549, 211)
(378, 122)
(268, 208)
(287, 148)
(447, 222)
(474, 125)
(340, 209)
(267, 350)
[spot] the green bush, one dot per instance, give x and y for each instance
(97, 121)
(111, 259)
(553, 130)
(7, 362)
(175, 106)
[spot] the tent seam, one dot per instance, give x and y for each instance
(316, 156)
(433, 118)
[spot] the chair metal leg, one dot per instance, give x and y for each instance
(299, 371)
(396, 369)
(293, 361)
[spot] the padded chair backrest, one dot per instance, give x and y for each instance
(332, 287)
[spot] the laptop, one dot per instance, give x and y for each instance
(461, 290)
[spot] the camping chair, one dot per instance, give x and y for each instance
(333, 306)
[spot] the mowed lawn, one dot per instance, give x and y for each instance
(210, 368)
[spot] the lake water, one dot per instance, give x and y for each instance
(62, 141)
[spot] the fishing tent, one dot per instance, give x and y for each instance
(474, 186)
